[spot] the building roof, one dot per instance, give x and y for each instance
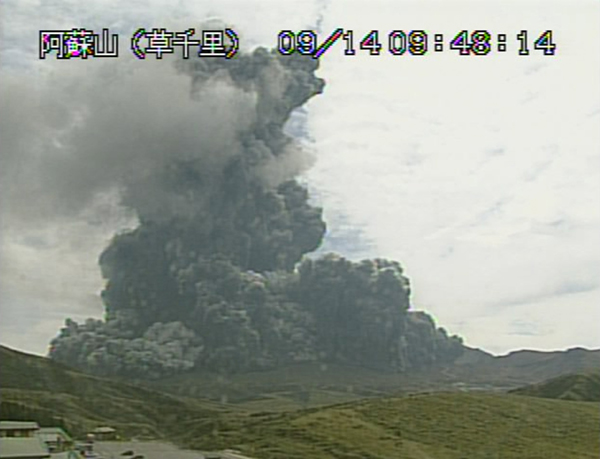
(225, 454)
(105, 429)
(66, 455)
(22, 448)
(233, 454)
(57, 430)
(49, 434)
(19, 425)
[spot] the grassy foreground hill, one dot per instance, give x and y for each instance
(439, 425)
(51, 393)
(578, 387)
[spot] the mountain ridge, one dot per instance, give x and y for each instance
(583, 386)
(476, 369)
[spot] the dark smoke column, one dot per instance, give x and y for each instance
(235, 213)
(205, 219)
(208, 280)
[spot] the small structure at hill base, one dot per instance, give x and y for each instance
(55, 439)
(225, 454)
(26, 440)
(104, 433)
(18, 429)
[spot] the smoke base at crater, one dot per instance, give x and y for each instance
(214, 276)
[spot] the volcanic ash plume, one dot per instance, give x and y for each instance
(208, 278)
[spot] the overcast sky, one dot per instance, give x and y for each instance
(480, 174)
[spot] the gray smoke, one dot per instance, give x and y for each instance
(95, 128)
(207, 279)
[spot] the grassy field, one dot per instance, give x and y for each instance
(444, 425)
(50, 392)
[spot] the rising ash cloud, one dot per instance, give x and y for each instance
(213, 275)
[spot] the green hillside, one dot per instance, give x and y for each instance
(440, 425)
(313, 384)
(578, 387)
(294, 386)
(36, 387)
(444, 426)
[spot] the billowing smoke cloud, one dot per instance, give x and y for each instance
(207, 279)
(127, 125)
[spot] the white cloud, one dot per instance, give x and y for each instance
(480, 174)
